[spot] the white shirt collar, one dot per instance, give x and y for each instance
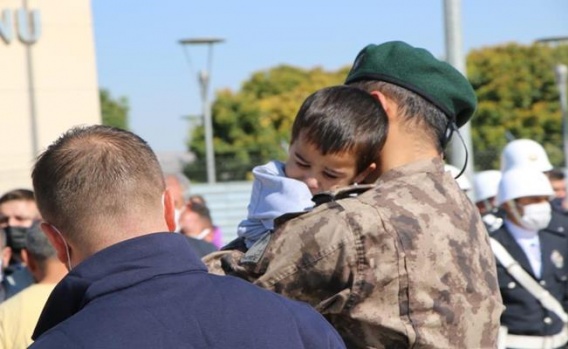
(520, 233)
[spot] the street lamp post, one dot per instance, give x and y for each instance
(204, 77)
(461, 154)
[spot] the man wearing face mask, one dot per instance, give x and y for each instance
(18, 212)
(178, 185)
(535, 265)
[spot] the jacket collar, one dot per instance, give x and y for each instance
(117, 267)
(433, 165)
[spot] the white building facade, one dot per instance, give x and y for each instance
(48, 82)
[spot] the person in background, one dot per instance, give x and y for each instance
(178, 184)
(198, 199)
(132, 282)
(542, 253)
(18, 212)
(485, 187)
(557, 179)
(8, 286)
(195, 224)
(19, 314)
(526, 153)
(217, 236)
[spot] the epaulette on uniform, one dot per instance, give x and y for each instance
(342, 193)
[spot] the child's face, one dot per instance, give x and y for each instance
(320, 172)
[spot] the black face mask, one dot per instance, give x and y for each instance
(16, 237)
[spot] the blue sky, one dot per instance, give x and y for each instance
(138, 55)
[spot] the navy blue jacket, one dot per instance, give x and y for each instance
(153, 292)
(524, 314)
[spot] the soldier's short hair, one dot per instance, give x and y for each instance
(343, 119)
(94, 175)
(415, 110)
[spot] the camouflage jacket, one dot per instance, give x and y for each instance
(405, 264)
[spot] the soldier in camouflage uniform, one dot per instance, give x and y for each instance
(406, 263)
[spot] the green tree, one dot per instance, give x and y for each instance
(252, 126)
(518, 97)
(114, 112)
(514, 83)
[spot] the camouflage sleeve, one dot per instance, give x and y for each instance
(213, 261)
(310, 259)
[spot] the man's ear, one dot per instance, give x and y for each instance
(387, 104)
(363, 176)
(169, 210)
(56, 240)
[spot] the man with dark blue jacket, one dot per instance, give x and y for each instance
(102, 197)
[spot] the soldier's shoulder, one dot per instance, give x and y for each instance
(351, 191)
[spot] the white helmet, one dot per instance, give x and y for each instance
(521, 182)
(486, 184)
(463, 182)
(524, 152)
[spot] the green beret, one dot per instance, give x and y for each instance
(419, 71)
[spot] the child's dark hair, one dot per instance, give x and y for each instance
(341, 118)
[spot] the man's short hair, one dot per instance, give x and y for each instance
(414, 109)
(92, 176)
(202, 211)
(37, 244)
(343, 119)
(556, 175)
(17, 194)
(196, 198)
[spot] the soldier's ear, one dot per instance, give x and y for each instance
(364, 176)
(390, 107)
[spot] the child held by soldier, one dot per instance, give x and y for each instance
(335, 138)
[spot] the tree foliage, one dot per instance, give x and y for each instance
(518, 97)
(253, 125)
(515, 85)
(114, 112)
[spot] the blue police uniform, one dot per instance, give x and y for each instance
(524, 314)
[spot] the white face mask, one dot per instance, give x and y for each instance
(177, 216)
(535, 216)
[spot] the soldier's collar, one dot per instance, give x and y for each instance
(341, 193)
(433, 165)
